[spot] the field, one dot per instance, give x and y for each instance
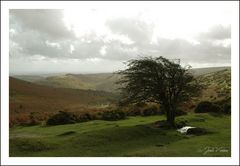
(135, 136)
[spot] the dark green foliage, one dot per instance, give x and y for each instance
(227, 108)
(180, 112)
(225, 105)
(61, 118)
(85, 117)
(113, 115)
(206, 106)
(157, 80)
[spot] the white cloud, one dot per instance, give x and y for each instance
(103, 50)
(88, 37)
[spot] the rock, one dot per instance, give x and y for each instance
(192, 130)
(196, 131)
(184, 130)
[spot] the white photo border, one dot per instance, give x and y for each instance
(6, 160)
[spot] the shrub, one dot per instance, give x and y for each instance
(150, 110)
(225, 105)
(206, 106)
(133, 110)
(113, 115)
(227, 108)
(180, 112)
(61, 117)
(33, 119)
(85, 117)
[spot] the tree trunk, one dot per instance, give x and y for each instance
(170, 112)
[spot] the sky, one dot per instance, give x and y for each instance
(92, 39)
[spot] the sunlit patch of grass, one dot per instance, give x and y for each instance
(134, 136)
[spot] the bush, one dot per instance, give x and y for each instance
(33, 119)
(179, 112)
(113, 115)
(206, 106)
(227, 108)
(150, 110)
(61, 117)
(225, 105)
(85, 117)
(133, 110)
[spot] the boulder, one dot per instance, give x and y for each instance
(189, 130)
(196, 131)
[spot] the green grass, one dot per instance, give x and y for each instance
(134, 136)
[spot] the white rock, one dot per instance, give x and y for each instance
(184, 130)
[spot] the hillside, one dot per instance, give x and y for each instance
(217, 85)
(203, 71)
(26, 97)
(101, 81)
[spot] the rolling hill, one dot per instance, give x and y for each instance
(217, 85)
(26, 97)
(101, 81)
(81, 93)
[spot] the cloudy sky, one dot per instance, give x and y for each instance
(89, 39)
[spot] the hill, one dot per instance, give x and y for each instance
(26, 97)
(101, 81)
(208, 70)
(217, 85)
(104, 81)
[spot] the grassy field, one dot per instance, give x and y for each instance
(135, 136)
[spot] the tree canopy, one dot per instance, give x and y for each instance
(157, 80)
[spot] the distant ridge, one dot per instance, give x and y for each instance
(201, 71)
(98, 81)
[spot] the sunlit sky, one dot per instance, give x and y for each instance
(93, 39)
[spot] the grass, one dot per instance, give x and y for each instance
(134, 136)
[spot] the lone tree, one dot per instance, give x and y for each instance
(157, 80)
